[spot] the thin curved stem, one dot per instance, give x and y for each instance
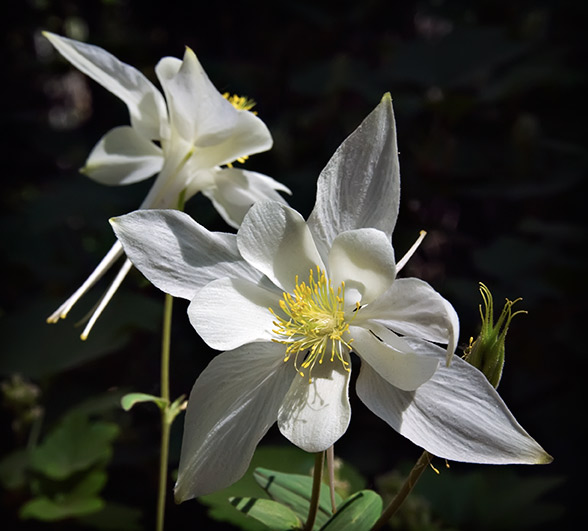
(165, 417)
(423, 462)
(319, 461)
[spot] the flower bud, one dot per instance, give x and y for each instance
(487, 351)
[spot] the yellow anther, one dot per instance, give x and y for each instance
(314, 320)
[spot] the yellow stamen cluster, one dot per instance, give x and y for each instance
(315, 320)
(241, 103)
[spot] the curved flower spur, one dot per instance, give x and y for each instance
(288, 301)
(189, 138)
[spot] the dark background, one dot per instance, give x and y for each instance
(490, 102)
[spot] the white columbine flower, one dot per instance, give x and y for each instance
(189, 138)
(289, 300)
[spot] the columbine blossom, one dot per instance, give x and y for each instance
(189, 138)
(288, 300)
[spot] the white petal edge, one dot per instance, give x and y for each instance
(146, 104)
(235, 191)
(176, 254)
(121, 157)
(411, 307)
(360, 186)
(196, 107)
(231, 312)
(275, 240)
(392, 357)
(315, 415)
(247, 136)
(456, 415)
(364, 260)
(233, 403)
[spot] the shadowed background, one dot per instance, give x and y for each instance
(488, 100)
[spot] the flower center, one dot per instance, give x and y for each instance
(315, 322)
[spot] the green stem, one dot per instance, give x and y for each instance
(319, 461)
(165, 417)
(331, 471)
(423, 462)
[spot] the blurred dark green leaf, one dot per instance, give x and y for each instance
(74, 445)
(81, 500)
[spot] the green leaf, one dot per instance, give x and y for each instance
(358, 513)
(74, 445)
(129, 400)
(294, 490)
(274, 515)
(285, 458)
(49, 510)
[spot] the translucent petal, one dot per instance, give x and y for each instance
(456, 415)
(275, 240)
(234, 192)
(234, 402)
(146, 104)
(412, 307)
(364, 260)
(178, 255)
(315, 415)
(122, 156)
(392, 357)
(360, 186)
(231, 312)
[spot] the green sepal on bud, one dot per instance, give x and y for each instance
(487, 351)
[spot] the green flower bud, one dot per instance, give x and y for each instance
(487, 351)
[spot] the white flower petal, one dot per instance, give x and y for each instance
(364, 260)
(392, 357)
(456, 415)
(360, 186)
(315, 415)
(275, 240)
(197, 110)
(231, 312)
(247, 136)
(234, 192)
(178, 255)
(146, 104)
(412, 307)
(234, 402)
(122, 156)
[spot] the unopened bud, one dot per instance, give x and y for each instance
(487, 351)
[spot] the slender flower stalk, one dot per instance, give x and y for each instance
(166, 421)
(189, 137)
(422, 463)
(331, 472)
(317, 478)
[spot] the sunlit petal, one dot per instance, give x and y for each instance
(146, 104)
(315, 415)
(456, 415)
(235, 400)
(178, 255)
(275, 240)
